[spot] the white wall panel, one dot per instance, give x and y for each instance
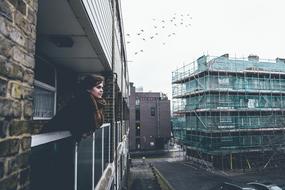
(100, 15)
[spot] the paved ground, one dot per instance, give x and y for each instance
(186, 176)
(183, 177)
(142, 177)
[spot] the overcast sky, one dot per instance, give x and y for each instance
(162, 35)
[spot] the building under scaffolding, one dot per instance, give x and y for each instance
(229, 112)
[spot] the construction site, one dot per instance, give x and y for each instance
(229, 112)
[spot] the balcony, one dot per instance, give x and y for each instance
(58, 162)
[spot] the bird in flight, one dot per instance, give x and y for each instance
(163, 29)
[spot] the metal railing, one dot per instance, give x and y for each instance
(88, 164)
(91, 157)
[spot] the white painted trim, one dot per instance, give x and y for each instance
(44, 138)
(44, 85)
(109, 146)
(93, 160)
(119, 149)
(105, 125)
(42, 118)
(102, 159)
(75, 165)
(55, 92)
(103, 176)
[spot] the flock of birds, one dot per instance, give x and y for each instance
(162, 29)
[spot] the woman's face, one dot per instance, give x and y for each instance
(97, 91)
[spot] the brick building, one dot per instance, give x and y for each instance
(149, 120)
(45, 48)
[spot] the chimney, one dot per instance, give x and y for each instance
(253, 58)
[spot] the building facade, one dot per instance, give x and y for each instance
(46, 47)
(229, 112)
(149, 120)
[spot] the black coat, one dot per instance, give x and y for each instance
(78, 117)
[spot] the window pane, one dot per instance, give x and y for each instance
(137, 114)
(138, 129)
(138, 143)
(43, 103)
(152, 111)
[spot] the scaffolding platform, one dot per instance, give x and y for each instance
(224, 108)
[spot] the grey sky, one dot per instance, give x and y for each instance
(237, 27)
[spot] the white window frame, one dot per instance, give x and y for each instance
(51, 89)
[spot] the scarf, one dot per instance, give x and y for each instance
(98, 104)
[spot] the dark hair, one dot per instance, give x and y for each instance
(90, 81)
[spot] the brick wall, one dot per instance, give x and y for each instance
(108, 96)
(153, 128)
(119, 103)
(17, 49)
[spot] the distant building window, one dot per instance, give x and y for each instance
(138, 114)
(152, 111)
(137, 101)
(44, 90)
(149, 98)
(138, 129)
(138, 143)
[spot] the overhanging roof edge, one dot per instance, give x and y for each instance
(83, 19)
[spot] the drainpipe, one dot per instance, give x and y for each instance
(113, 3)
(115, 128)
